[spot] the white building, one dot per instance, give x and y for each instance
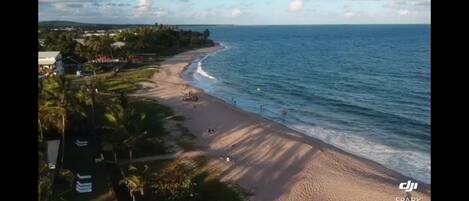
(118, 44)
(50, 62)
(80, 40)
(93, 34)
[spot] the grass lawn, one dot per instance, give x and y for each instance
(126, 81)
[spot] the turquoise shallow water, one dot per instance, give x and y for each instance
(362, 88)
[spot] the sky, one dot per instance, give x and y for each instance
(241, 12)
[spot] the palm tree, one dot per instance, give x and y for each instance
(93, 67)
(136, 180)
(56, 104)
(206, 34)
(110, 143)
(87, 95)
(49, 116)
(44, 181)
(126, 122)
(130, 143)
(114, 117)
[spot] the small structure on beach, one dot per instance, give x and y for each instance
(190, 96)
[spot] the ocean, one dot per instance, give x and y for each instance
(362, 88)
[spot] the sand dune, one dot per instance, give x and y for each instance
(272, 161)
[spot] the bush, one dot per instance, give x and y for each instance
(173, 183)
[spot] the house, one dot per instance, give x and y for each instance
(104, 59)
(50, 62)
(80, 40)
(42, 42)
(118, 44)
(93, 34)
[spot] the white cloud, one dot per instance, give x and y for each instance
(228, 13)
(204, 13)
(235, 12)
(159, 12)
(143, 6)
(296, 5)
(64, 1)
(410, 4)
(403, 12)
(350, 14)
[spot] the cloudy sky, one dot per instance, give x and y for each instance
(237, 11)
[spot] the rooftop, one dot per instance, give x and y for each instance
(48, 54)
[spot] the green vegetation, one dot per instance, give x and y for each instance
(135, 44)
(126, 81)
(85, 26)
(178, 180)
(96, 108)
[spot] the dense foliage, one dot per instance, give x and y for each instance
(158, 39)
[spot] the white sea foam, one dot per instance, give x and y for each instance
(201, 71)
(415, 164)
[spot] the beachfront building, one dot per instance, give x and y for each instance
(104, 59)
(93, 34)
(118, 44)
(50, 62)
(41, 42)
(81, 41)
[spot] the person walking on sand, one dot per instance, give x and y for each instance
(262, 107)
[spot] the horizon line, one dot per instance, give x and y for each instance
(215, 24)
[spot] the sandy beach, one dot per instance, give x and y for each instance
(267, 158)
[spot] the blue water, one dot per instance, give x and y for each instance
(362, 88)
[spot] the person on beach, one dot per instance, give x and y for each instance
(284, 113)
(210, 131)
(262, 107)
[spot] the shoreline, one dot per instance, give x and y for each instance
(273, 160)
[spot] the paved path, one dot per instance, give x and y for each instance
(179, 154)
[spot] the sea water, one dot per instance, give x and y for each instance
(362, 88)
